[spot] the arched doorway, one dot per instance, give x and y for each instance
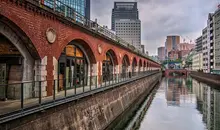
(125, 65)
(17, 58)
(134, 65)
(140, 66)
(11, 67)
(73, 67)
(107, 68)
(144, 66)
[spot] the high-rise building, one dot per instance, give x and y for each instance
(210, 41)
(199, 44)
(124, 10)
(205, 50)
(161, 53)
(130, 31)
(126, 23)
(87, 9)
(172, 43)
(216, 46)
(80, 6)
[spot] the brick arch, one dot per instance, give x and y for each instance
(145, 64)
(24, 45)
(126, 58)
(134, 61)
(113, 54)
(140, 63)
(9, 27)
(84, 44)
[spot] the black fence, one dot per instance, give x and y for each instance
(22, 97)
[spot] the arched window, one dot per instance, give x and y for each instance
(73, 68)
(134, 65)
(107, 67)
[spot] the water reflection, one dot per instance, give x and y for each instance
(183, 104)
(208, 104)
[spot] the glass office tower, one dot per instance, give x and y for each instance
(80, 6)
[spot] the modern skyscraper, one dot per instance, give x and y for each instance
(126, 23)
(130, 31)
(172, 43)
(87, 9)
(124, 10)
(161, 53)
(80, 6)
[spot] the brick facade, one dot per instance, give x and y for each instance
(33, 21)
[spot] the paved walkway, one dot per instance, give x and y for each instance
(15, 105)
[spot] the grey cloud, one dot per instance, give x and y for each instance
(161, 18)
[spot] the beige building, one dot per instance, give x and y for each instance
(172, 43)
(161, 53)
(185, 46)
(197, 62)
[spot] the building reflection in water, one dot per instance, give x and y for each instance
(186, 91)
(179, 92)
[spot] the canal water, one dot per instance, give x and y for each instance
(177, 104)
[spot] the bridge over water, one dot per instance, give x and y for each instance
(176, 72)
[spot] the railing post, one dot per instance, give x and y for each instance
(83, 84)
(39, 92)
(90, 82)
(118, 77)
(54, 89)
(22, 96)
(75, 84)
(105, 82)
(65, 87)
(109, 80)
(96, 82)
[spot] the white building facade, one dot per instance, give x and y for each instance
(197, 62)
(216, 51)
(205, 51)
(129, 30)
(210, 41)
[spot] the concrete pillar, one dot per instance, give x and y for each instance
(99, 72)
(117, 71)
(92, 71)
(40, 75)
(55, 73)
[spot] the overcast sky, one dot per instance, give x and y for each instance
(160, 18)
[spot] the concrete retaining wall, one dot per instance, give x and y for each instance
(95, 112)
(204, 77)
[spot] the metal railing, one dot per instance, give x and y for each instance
(29, 97)
(77, 18)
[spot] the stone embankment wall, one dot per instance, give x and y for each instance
(207, 78)
(94, 112)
